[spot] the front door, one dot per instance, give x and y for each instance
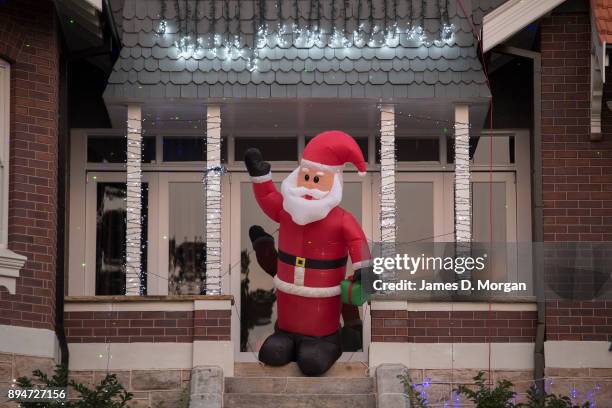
(255, 312)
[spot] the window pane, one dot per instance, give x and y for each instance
(112, 149)
(272, 149)
(187, 240)
(487, 196)
(188, 149)
(413, 149)
(361, 141)
(110, 238)
(415, 217)
(484, 197)
(184, 149)
(480, 149)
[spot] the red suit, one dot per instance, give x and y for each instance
(312, 263)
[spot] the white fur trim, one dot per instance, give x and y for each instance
(362, 264)
(361, 173)
(298, 276)
(305, 291)
(262, 179)
(325, 167)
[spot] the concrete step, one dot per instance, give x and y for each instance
(340, 369)
(298, 401)
(299, 385)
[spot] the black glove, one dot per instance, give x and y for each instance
(255, 164)
(357, 275)
(256, 232)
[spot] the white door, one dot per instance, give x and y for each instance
(249, 280)
(104, 250)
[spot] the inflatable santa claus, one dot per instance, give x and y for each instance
(316, 237)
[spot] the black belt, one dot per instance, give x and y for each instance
(311, 263)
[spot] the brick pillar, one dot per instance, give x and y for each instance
(577, 173)
(29, 42)
(577, 194)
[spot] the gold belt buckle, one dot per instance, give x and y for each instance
(301, 262)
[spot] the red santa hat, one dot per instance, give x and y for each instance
(331, 150)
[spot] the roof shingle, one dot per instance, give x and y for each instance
(149, 64)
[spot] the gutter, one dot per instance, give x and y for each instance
(110, 19)
(63, 168)
(537, 212)
(62, 254)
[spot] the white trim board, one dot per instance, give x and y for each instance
(129, 306)
(139, 356)
(504, 356)
(28, 341)
(130, 356)
(451, 306)
(511, 17)
(577, 354)
(146, 306)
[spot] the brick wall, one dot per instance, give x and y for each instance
(28, 41)
(147, 326)
(453, 327)
(584, 321)
(577, 173)
(212, 325)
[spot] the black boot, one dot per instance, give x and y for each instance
(278, 349)
(316, 355)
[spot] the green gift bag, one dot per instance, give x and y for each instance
(351, 293)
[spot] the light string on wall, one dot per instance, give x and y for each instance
(288, 31)
(212, 190)
(134, 220)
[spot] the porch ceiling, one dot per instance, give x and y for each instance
(150, 66)
(274, 118)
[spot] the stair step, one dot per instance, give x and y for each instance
(299, 385)
(298, 401)
(342, 369)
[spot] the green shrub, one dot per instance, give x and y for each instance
(536, 399)
(108, 394)
(486, 396)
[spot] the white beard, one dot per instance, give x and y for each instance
(305, 211)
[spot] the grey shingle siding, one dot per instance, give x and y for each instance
(149, 65)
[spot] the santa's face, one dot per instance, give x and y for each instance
(315, 179)
(310, 193)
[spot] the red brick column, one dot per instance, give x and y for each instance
(29, 42)
(212, 325)
(577, 173)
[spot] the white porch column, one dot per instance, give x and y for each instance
(133, 262)
(387, 183)
(212, 181)
(463, 220)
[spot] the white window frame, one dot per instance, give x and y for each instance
(84, 284)
(10, 262)
(441, 173)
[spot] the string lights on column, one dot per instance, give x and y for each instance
(463, 210)
(212, 188)
(133, 250)
(387, 184)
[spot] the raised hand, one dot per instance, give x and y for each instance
(255, 164)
